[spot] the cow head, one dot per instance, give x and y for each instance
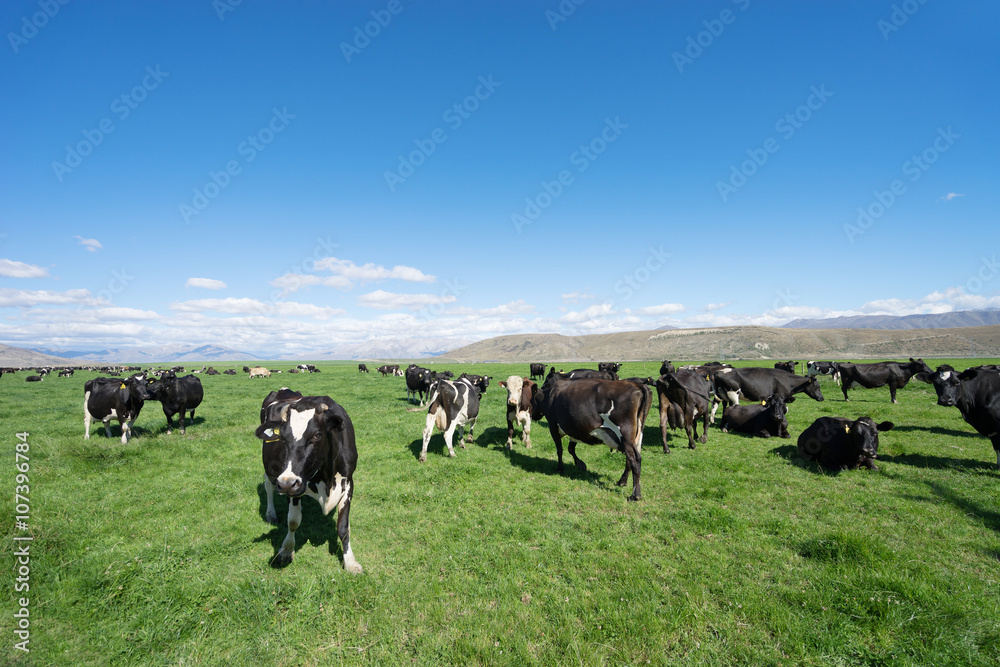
(514, 385)
(812, 389)
(948, 384)
(137, 387)
(775, 407)
(863, 433)
(917, 366)
(297, 438)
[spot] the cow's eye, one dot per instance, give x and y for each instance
(314, 438)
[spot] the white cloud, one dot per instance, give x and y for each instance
(14, 269)
(388, 300)
(663, 309)
(589, 315)
(951, 195)
(711, 307)
(230, 305)
(13, 297)
(371, 272)
(576, 297)
(293, 282)
(205, 283)
(92, 245)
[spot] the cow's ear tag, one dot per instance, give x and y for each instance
(277, 432)
(763, 402)
(847, 429)
(123, 385)
(268, 432)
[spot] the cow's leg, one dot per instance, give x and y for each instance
(270, 516)
(526, 430)
(344, 531)
(284, 556)
(448, 435)
(556, 438)
(107, 426)
(716, 401)
(510, 433)
(577, 461)
(126, 428)
(892, 392)
(170, 422)
(633, 461)
(689, 426)
(664, 423)
(704, 428)
(468, 436)
(86, 416)
(428, 430)
(844, 387)
(182, 421)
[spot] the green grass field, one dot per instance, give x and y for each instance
(156, 552)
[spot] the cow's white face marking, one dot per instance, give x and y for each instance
(288, 477)
(726, 370)
(515, 384)
(946, 375)
(299, 421)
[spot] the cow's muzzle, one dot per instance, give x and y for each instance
(291, 486)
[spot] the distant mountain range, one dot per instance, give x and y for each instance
(150, 355)
(962, 318)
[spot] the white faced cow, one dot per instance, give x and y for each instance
(452, 406)
(520, 392)
(308, 450)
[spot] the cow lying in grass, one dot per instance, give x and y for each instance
(841, 444)
(765, 419)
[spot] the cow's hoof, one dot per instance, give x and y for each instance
(353, 566)
(634, 498)
(725, 430)
(282, 558)
(666, 450)
(581, 466)
(271, 518)
(422, 458)
(451, 455)
(703, 439)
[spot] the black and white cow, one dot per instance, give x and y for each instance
(451, 407)
(765, 419)
(895, 374)
(756, 384)
(520, 392)
(176, 395)
(107, 398)
(388, 369)
(684, 396)
(976, 394)
(537, 371)
(362, 368)
(610, 412)
(837, 443)
(480, 382)
(823, 368)
(66, 373)
(308, 450)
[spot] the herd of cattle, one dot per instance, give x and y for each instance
(308, 443)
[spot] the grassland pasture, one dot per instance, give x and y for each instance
(156, 552)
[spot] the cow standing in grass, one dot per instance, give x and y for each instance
(895, 374)
(107, 398)
(976, 394)
(451, 407)
(308, 450)
(520, 392)
(176, 395)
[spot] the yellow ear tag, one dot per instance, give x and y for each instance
(763, 402)
(277, 432)
(123, 386)
(847, 429)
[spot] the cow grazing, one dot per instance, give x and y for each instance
(756, 384)
(308, 450)
(176, 395)
(451, 407)
(418, 382)
(838, 443)
(388, 369)
(537, 371)
(259, 371)
(684, 396)
(611, 412)
(824, 368)
(976, 394)
(666, 367)
(895, 374)
(765, 419)
(66, 373)
(107, 398)
(520, 392)
(785, 366)
(246, 369)
(362, 368)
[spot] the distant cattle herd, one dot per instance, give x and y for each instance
(309, 447)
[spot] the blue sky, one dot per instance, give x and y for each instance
(281, 178)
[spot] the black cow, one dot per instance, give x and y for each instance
(896, 374)
(609, 367)
(765, 419)
(785, 366)
(666, 367)
(212, 371)
(838, 443)
(308, 450)
(480, 382)
(595, 412)
(176, 395)
(33, 378)
(104, 398)
(684, 396)
(451, 406)
(229, 371)
(362, 368)
(976, 394)
(584, 374)
(756, 384)
(418, 382)
(537, 371)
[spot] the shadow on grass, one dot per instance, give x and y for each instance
(314, 530)
(937, 430)
(989, 516)
(188, 423)
(937, 462)
(791, 454)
